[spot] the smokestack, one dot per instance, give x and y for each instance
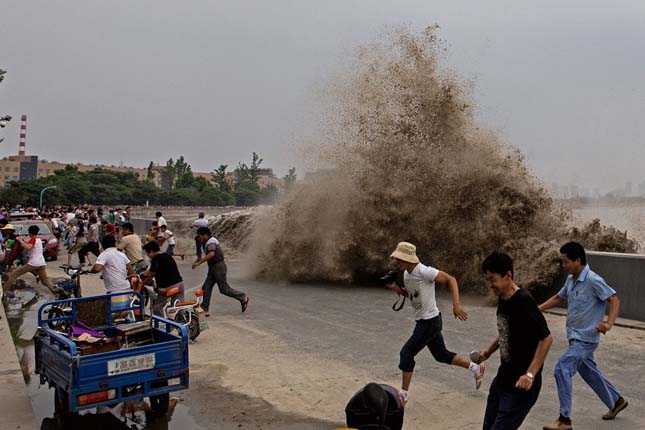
(23, 135)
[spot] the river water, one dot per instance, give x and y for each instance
(629, 217)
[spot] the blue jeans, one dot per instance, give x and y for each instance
(579, 358)
(507, 407)
(427, 333)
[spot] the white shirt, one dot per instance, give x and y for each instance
(420, 286)
(115, 270)
(200, 222)
(161, 221)
(36, 258)
(169, 236)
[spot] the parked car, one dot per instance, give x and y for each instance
(50, 243)
(21, 216)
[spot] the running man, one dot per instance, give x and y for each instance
(524, 341)
(586, 295)
(36, 262)
(199, 222)
(214, 256)
(419, 283)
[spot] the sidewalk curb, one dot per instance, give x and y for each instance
(620, 322)
(15, 406)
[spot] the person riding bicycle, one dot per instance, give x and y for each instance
(166, 274)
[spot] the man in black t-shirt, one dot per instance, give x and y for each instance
(166, 273)
(524, 341)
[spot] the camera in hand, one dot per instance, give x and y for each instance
(389, 277)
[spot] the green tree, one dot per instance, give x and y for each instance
(184, 174)
(247, 189)
(290, 178)
(219, 178)
(151, 172)
(168, 176)
(6, 118)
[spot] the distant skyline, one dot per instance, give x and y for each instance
(131, 82)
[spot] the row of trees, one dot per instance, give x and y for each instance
(178, 186)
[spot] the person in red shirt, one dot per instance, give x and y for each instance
(36, 263)
(110, 229)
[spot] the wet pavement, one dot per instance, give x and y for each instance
(295, 358)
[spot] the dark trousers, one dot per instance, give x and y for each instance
(427, 333)
(161, 299)
(92, 247)
(508, 406)
(198, 248)
(217, 275)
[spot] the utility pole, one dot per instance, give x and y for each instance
(41, 194)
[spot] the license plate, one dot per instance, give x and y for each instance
(131, 364)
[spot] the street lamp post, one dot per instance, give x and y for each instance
(41, 194)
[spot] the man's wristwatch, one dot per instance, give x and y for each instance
(530, 376)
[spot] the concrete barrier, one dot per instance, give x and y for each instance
(15, 406)
(141, 225)
(625, 273)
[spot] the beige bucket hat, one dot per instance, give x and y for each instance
(406, 251)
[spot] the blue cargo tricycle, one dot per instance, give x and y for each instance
(122, 354)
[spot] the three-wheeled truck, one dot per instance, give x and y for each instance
(136, 355)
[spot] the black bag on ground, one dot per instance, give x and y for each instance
(374, 407)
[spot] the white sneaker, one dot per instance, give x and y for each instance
(479, 378)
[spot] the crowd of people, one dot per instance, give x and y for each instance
(523, 340)
(119, 253)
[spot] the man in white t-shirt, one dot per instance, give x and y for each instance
(36, 262)
(168, 237)
(419, 283)
(160, 219)
(115, 266)
(197, 224)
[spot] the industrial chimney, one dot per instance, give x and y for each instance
(23, 136)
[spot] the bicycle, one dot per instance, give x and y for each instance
(65, 290)
(185, 313)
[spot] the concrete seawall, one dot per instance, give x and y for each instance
(15, 406)
(625, 273)
(141, 225)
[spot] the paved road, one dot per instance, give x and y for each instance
(294, 359)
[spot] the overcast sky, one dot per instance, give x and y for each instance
(134, 81)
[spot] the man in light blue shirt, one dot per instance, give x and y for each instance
(586, 295)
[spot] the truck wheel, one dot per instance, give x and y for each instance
(63, 416)
(159, 404)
